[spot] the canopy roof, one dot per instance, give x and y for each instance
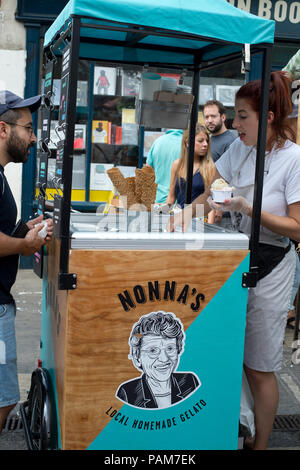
(161, 30)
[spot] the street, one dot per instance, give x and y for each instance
(28, 292)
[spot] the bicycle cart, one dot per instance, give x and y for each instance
(107, 277)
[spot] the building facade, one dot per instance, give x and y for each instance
(22, 27)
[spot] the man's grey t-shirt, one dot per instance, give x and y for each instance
(220, 143)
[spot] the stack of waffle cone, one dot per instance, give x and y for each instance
(140, 190)
(146, 186)
(130, 192)
(117, 180)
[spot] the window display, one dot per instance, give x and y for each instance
(114, 127)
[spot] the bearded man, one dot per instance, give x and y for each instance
(215, 121)
(16, 139)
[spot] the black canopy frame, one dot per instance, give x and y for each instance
(71, 34)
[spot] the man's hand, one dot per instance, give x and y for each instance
(33, 222)
(49, 230)
(32, 242)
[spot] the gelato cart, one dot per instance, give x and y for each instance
(142, 330)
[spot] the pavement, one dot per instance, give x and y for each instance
(27, 292)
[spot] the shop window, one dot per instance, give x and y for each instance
(106, 133)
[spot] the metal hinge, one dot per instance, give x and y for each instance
(250, 279)
(67, 281)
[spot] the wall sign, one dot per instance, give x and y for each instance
(286, 13)
(42, 11)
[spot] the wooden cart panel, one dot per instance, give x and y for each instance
(91, 325)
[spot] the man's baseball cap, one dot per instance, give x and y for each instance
(9, 100)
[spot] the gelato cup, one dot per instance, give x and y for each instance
(220, 190)
(221, 195)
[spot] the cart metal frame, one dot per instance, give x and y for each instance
(72, 37)
(37, 412)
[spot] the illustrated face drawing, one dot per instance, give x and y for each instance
(158, 357)
(156, 343)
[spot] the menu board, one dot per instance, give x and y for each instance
(43, 167)
(59, 159)
(46, 110)
(62, 120)
(57, 215)
(65, 73)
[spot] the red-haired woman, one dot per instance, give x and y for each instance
(268, 302)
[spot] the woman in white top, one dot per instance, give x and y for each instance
(268, 302)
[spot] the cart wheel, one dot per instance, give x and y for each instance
(41, 428)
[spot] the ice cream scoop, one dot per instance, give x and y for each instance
(220, 184)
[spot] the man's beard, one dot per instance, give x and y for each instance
(17, 149)
(216, 128)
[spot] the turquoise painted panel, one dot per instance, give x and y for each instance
(47, 349)
(214, 20)
(208, 419)
(126, 54)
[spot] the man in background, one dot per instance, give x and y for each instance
(161, 155)
(215, 118)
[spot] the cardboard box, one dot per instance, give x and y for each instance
(183, 98)
(167, 96)
(158, 114)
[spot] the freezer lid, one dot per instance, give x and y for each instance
(163, 241)
(92, 232)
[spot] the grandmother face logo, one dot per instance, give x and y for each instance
(156, 343)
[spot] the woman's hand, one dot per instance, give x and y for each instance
(180, 219)
(238, 204)
(218, 216)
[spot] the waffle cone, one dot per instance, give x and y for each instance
(117, 180)
(135, 192)
(130, 185)
(149, 195)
